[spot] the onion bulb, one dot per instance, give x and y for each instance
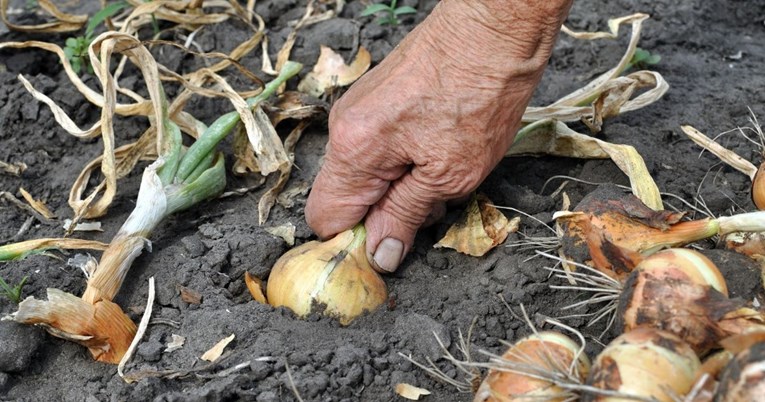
(613, 232)
(647, 363)
(679, 291)
(335, 273)
(522, 373)
(758, 188)
(744, 378)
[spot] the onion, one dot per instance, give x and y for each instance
(613, 232)
(744, 377)
(647, 363)
(679, 291)
(531, 368)
(335, 273)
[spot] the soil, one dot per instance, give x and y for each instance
(712, 56)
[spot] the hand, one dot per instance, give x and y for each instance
(431, 121)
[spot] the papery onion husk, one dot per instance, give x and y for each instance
(647, 363)
(102, 327)
(335, 273)
(545, 352)
(682, 292)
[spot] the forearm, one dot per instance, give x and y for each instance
(498, 34)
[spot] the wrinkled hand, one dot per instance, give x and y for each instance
(430, 122)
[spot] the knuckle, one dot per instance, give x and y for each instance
(454, 178)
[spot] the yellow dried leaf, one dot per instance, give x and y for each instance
(16, 251)
(411, 392)
(481, 228)
(729, 157)
(255, 286)
(268, 199)
(552, 137)
(63, 22)
(286, 232)
(609, 93)
(38, 205)
(244, 155)
(331, 71)
(175, 343)
(15, 168)
(216, 351)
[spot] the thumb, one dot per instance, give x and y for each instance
(343, 191)
(393, 221)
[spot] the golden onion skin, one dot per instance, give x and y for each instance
(540, 350)
(647, 363)
(699, 269)
(744, 377)
(758, 188)
(335, 273)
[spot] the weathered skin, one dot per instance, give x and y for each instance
(432, 120)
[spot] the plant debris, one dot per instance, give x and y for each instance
(480, 228)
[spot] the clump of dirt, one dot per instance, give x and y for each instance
(209, 248)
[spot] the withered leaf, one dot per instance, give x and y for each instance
(411, 392)
(175, 344)
(331, 71)
(189, 295)
(216, 351)
(481, 228)
(255, 286)
(38, 205)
